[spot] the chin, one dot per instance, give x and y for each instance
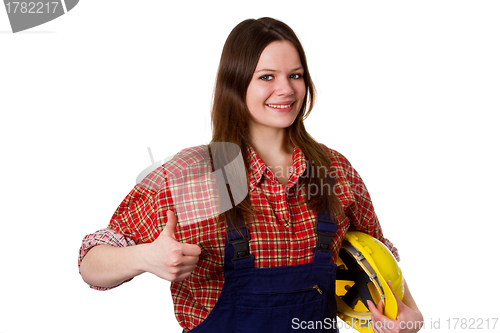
(283, 125)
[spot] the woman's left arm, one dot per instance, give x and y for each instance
(409, 317)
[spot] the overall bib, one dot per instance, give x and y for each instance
(277, 299)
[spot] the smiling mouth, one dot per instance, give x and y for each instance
(280, 106)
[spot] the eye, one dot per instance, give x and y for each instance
(266, 77)
(296, 76)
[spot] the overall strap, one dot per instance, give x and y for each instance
(326, 229)
(237, 250)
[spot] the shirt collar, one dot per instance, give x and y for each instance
(258, 167)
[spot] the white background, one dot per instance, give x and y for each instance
(407, 91)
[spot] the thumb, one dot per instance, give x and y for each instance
(171, 225)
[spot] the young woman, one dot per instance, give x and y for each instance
(261, 266)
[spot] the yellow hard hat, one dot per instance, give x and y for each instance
(364, 265)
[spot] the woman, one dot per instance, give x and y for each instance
(260, 266)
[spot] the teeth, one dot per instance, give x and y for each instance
(279, 106)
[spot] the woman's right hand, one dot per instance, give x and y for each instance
(169, 259)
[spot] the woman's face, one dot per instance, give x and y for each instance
(277, 89)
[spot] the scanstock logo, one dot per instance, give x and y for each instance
(203, 181)
(28, 14)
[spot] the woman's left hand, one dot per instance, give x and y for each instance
(407, 320)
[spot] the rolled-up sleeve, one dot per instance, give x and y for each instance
(133, 222)
(103, 237)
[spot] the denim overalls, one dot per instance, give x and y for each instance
(277, 299)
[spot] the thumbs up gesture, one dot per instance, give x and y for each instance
(169, 259)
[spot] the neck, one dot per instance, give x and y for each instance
(272, 144)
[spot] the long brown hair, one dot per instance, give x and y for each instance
(231, 117)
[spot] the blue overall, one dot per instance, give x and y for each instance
(277, 299)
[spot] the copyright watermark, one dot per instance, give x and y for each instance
(24, 15)
(203, 182)
(200, 193)
(457, 323)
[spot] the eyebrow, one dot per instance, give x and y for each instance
(274, 70)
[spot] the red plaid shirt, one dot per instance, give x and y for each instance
(282, 230)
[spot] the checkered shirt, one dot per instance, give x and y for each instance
(282, 229)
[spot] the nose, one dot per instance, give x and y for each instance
(284, 87)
